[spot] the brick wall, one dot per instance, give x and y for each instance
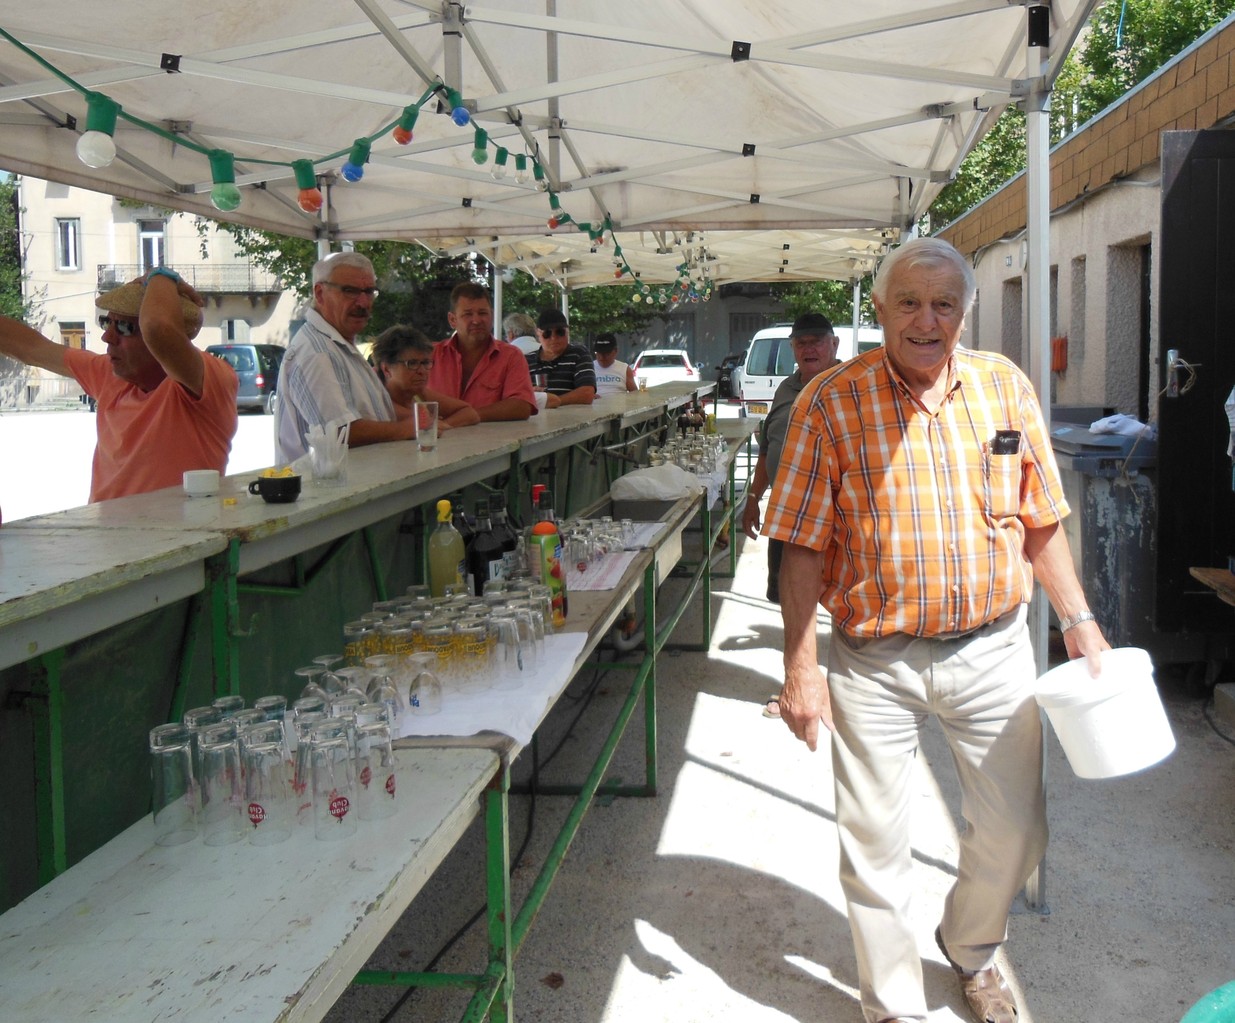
(1195, 91)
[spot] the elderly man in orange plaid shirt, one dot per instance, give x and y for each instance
(918, 498)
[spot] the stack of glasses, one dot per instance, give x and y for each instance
(231, 773)
(429, 647)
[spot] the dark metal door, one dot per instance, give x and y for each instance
(1196, 506)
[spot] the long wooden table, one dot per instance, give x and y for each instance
(176, 532)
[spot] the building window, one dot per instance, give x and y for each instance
(68, 243)
(236, 330)
(73, 335)
(151, 240)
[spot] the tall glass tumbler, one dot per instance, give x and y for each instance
(175, 789)
(375, 771)
(223, 820)
(270, 801)
(334, 781)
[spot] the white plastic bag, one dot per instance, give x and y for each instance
(665, 482)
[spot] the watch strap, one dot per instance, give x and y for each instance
(1072, 622)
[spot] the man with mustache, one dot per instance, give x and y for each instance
(324, 378)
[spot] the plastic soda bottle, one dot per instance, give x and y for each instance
(546, 552)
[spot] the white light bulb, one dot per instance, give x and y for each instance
(96, 149)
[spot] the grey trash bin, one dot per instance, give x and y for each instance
(1110, 482)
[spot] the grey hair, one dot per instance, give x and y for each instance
(323, 268)
(519, 324)
(928, 252)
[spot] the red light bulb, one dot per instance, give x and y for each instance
(310, 200)
(402, 135)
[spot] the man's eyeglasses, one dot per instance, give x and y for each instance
(557, 332)
(413, 363)
(125, 328)
(351, 291)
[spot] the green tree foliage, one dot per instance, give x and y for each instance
(1126, 42)
(832, 298)
(415, 285)
(12, 302)
(592, 310)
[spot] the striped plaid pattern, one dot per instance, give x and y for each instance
(922, 527)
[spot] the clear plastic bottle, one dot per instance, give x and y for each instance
(446, 553)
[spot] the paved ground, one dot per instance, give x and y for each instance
(718, 899)
(45, 457)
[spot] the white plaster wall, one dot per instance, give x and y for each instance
(110, 236)
(1094, 244)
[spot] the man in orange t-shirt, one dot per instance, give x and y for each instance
(163, 406)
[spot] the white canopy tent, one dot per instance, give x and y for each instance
(748, 142)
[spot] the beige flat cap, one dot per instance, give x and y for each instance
(126, 300)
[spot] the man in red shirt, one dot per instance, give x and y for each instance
(919, 500)
(490, 375)
(163, 406)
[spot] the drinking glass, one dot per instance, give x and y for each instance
(375, 771)
(354, 681)
(175, 790)
(424, 695)
(228, 705)
(221, 785)
(302, 775)
(313, 681)
(426, 424)
(275, 709)
(334, 780)
(359, 641)
(510, 650)
(195, 720)
(471, 656)
(383, 687)
(271, 803)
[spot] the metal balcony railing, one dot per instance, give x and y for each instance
(207, 278)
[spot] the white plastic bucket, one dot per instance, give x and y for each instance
(1110, 725)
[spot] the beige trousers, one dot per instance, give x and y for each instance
(980, 687)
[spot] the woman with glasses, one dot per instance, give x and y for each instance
(403, 357)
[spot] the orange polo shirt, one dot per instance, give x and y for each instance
(921, 525)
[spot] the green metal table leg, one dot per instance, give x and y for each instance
(498, 913)
(649, 687)
(47, 710)
(379, 577)
(705, 520)
(221, 572)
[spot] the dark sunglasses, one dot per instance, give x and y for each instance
(413, 363)
(557, 332)
(125, 328)
(351, 291)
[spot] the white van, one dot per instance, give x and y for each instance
(770, 359)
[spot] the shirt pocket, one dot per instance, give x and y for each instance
(1003, 486)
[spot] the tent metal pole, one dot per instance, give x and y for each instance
(1037, 270)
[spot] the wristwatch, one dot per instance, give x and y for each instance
(1071, 623)
(162, 271)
